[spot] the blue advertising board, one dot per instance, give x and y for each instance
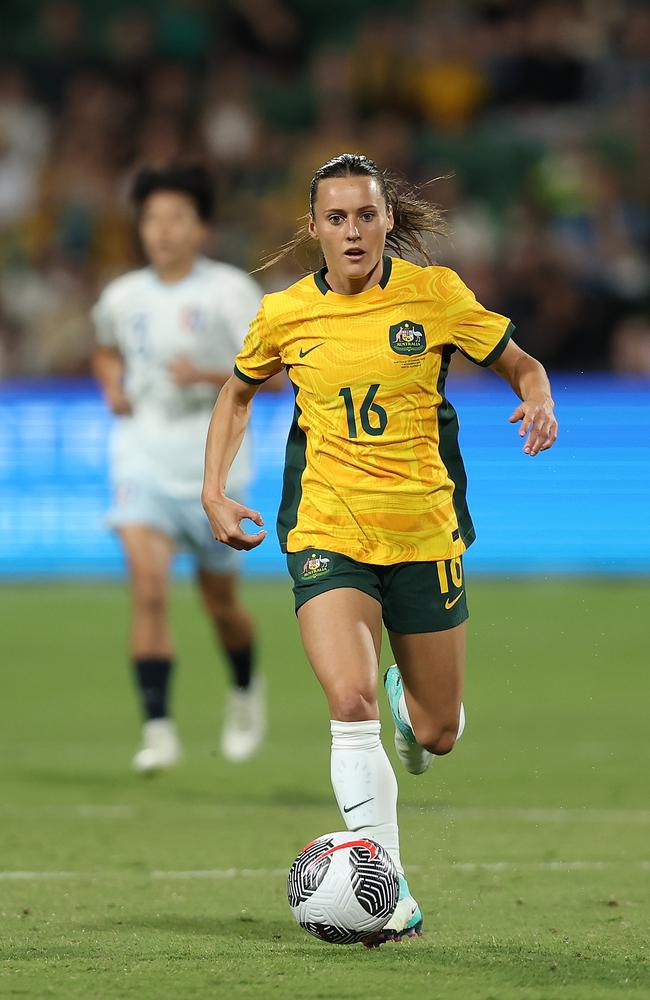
(583, 507)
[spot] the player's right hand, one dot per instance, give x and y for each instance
(225, 517)
(118, 402)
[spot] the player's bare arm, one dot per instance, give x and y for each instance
(227, 427)
(529, 380)
(108, 367)
(185, 372)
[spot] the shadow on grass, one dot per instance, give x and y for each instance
(236, 925)
(232, 794)
(66, 777)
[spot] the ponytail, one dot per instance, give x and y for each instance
(414, 217)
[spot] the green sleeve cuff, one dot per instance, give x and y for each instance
(497, 351)
(247, 378)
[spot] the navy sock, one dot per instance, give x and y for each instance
(152, 676)
(241, 664)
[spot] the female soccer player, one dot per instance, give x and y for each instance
(373, 515)
(168, 335)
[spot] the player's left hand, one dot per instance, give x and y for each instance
(225, 517)
(184, 371)
(538, 422)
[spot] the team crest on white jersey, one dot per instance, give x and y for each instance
(315, 565)
(407, 337)
(192, 319)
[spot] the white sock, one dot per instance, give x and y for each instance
(403, 713)
(364, 784)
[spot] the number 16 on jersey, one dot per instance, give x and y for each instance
(368, 406)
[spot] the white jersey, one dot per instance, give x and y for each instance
(204, 317)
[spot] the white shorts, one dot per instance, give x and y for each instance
(181, 518)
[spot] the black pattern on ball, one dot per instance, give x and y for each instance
(331, 934)
(307, 872)
(375, 881)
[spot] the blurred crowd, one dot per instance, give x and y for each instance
(532, 115)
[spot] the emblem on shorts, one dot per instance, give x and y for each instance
(315, 565)
(449, 603)
(407, 338)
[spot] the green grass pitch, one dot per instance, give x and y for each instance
(528, 847)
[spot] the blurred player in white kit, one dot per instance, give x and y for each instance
(167, 336)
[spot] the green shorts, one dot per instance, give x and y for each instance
(414, 596)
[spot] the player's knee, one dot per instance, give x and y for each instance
(437, 739)
(150, 595)
(222, 609)
(353, 705)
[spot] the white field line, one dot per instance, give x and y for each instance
(221, 874)
(105, 812)
(76, 809)
(532, 814)
(39, 876)
(453, 866)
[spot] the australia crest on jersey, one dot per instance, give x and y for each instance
(407, 338)
(315, 565)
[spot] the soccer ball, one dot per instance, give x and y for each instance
(343, 887)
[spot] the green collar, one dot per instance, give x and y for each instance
(324, 288)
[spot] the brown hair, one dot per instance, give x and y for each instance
(414, 217)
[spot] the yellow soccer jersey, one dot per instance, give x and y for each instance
(372, 468)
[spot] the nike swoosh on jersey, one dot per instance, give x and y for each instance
(449, 604)
(303, 354)
(348, 809)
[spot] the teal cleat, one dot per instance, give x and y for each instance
(406, 921)
(415, 758)
(394, 690)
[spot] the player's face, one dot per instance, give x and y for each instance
(351, 220)
(170, 229)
